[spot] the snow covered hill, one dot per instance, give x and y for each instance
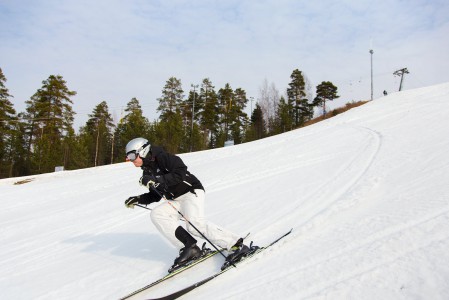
(366, 193)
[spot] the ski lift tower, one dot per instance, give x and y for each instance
(401, 73)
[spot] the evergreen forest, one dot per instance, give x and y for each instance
(43, 137)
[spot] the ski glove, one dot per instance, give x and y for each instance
(131, 201)
(149, 181)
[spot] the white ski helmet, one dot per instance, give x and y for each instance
(138, 146)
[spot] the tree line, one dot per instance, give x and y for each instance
(42, 137)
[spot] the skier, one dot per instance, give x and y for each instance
(166, 174)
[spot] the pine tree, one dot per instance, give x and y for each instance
(283, 121)
(172, 96)
(8, 133)
(77, 151)
(51, 118)
(19, 165)
(225, 101)
(326, 90)
(189, 111)
(170, 133)
(257, 128)
(299, 108)
(131, 126)
(170, 128)
(97, 134)
(209, 113)
(238, 118)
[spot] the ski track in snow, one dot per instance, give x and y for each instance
(326, 271)
(332, 193)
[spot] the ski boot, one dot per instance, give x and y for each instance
(188, 255)
(238, 251)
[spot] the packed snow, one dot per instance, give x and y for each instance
(366, 193)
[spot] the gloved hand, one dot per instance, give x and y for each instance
(148, 181)
(131, 201)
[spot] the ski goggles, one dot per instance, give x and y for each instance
(132, 155)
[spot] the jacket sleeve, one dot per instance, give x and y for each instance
(148, 198)
(175, 168)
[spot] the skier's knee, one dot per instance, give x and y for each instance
(199, 225)
(156, 216)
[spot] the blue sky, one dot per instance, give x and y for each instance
(116, 50)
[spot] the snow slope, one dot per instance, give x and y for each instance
(366, 192)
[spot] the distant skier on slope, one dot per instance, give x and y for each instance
(168, 175)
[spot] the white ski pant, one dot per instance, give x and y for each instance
(166, 219)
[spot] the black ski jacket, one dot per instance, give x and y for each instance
(172, 176)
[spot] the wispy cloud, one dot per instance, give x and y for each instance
(116, 50)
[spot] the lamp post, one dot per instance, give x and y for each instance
(98, 136)
(252, 99)
(371, 51)
(193, 114)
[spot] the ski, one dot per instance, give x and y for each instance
(184, 291)
(172, 274)
(175, 272)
